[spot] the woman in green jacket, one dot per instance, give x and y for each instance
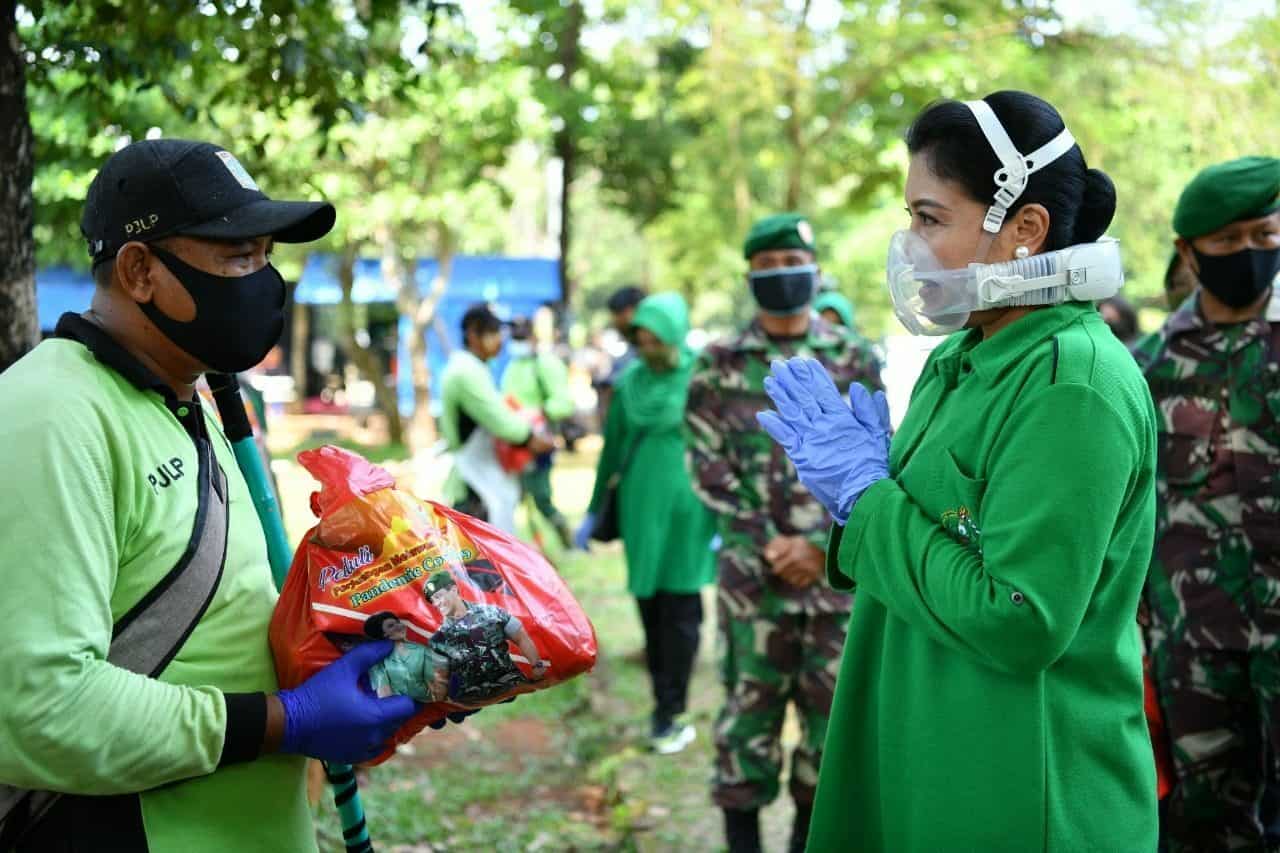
(665, 531)
(990, 696)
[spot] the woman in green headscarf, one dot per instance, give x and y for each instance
(665, 531)
(834, 307)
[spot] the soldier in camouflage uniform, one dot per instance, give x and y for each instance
(782, 627)
(474, 638)
(1214, 588)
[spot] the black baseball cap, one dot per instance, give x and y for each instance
(161, 187)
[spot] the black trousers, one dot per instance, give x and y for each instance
(671, 624)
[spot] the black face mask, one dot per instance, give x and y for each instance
(786, 291)
(238, 319)
(1239, 279)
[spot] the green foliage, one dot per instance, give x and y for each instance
(435, 130)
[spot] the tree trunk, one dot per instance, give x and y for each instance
(566, 143)
(795, 119)
(19, 329)
(365, 360)
(421, 312)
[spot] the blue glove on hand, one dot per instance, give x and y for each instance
(335, 716)
(838, 450)
(582, 538)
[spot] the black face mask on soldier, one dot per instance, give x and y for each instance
(1238, 279)
(785, 291)
(238, 319)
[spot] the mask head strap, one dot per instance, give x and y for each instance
(1015, 169)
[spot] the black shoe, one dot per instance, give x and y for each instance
(800, 829)
(742, 830)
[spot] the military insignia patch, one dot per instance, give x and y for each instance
(963, 527)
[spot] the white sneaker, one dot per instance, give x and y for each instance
(674, 739)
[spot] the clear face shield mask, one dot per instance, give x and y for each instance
(930, 299)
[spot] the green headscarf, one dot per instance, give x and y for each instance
(655, 400)
(837, 302)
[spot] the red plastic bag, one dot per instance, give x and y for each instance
(515, 458)
(1165, 774)
(477, 615)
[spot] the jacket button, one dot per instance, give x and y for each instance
(1016, 597)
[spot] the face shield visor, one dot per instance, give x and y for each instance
(931, 300)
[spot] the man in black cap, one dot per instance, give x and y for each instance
(140, 707)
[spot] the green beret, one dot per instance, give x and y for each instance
(780, 231)
(1226, 193)
(437, 582)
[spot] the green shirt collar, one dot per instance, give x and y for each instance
(991, 358)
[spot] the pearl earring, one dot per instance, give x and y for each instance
(1021, 252)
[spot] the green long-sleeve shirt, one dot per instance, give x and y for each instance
(471, 400)
(96, 506)
(990, 697)
(540, 381)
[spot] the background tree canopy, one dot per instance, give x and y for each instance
(650, 133)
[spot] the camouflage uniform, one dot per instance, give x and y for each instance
(480, 665)
(1213, 591)
(780, 643)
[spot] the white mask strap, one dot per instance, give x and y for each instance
(1015, 169)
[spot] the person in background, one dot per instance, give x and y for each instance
(538, 380)
(834, 307)
(1179, 281)
(781, 624)
(474, 414)
(665, 531)
(1213, 591)
(1120, 317)
(622, 307)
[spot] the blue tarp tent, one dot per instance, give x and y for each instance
(59, 290)
(514, 287)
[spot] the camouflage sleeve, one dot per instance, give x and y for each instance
(713, 473)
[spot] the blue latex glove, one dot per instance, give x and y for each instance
(582, 538)
(839, 450)
(335, 716)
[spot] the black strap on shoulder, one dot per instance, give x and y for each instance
(148, 637)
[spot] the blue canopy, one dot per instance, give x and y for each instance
(59, 290)
(472, 278)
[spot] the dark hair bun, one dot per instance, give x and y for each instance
(1080, 201)
(1097, 207)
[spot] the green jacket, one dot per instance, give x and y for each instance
(471, 400)
(98, 503)
(540, 381)
(990, 697)
(666, 531)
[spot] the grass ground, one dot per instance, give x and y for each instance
(564, 769)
